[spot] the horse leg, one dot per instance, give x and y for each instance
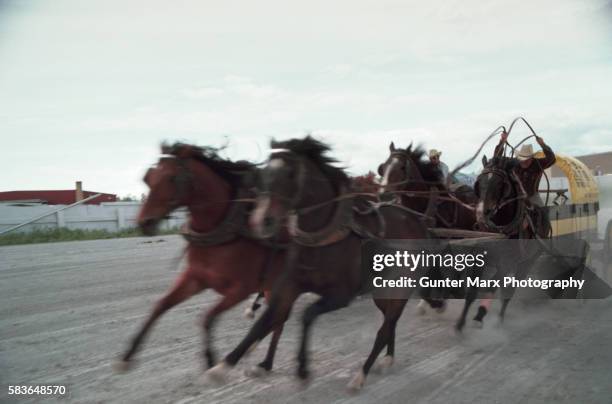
(273, 317)
(502, 311)
(227, 302)
(266, 364)
(250, 311)
(183, 289)
(324, 305)
(483, 309)
(469, 299)
(387, 360)
(392, 311)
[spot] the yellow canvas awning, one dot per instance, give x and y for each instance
(582, 185)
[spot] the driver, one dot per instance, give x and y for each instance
(434, 158)
(529, 171)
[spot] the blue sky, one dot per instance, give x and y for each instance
(88, 90)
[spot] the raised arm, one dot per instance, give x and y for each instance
(549, 156)
(499, 149)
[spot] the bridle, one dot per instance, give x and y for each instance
(400, 156)
(182, 180)
(289, 157)
(510, 183)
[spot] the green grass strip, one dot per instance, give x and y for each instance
(65, 234)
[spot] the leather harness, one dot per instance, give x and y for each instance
(233, 225)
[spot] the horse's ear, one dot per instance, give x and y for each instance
(392, 147)
(484, 161)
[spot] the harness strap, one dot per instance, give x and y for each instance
(233, 225)
(338, 228)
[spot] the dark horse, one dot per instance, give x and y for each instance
(325, 255)
(418, 185)
(413, 181)
(501, 209)
(222, 254)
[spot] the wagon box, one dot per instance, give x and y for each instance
(574, 216)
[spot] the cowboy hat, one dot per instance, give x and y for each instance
(525, 153)
(434, 153)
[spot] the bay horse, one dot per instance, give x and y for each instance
(222, 254)
(325, 254)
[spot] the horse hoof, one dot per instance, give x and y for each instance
(356, 382)
(218, 373)
(249, 313)
(303, 374)
(256, 372)
(385, 364)
(121, 366)
(421, 308)
(477, 324)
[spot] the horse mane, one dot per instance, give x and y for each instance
(428, 170)
(232, 171)
(316, 151)
(504, 163)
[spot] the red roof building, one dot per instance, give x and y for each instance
(57, 197)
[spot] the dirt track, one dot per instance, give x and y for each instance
(68, 309)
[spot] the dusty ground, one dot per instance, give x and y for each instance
(68, 309)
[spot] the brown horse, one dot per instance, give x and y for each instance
(412, 180)
(325, 256)
(221, 254)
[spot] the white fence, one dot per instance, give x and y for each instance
(110, 216)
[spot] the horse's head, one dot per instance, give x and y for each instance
(493, 187)
(195, 177)
(279, 184)
(393, 171)
(404, 167)
(297, 174)
(170, 187)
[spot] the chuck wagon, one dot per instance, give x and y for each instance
(573, 203)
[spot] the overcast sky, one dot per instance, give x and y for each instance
(88, 89)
